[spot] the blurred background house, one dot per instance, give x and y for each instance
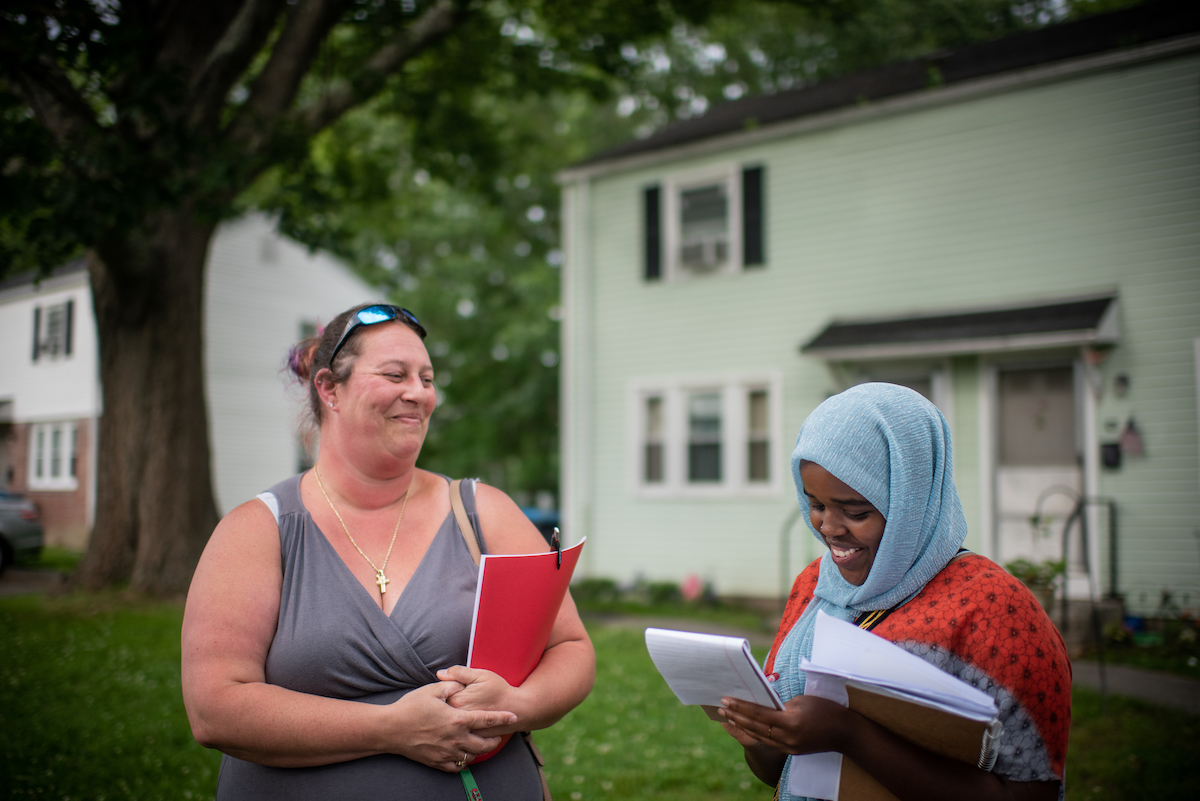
(1012, 229)
(264, 293)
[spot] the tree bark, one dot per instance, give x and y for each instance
(154, 498)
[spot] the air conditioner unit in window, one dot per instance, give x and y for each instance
(704, 254)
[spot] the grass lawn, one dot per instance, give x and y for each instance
(90, 709)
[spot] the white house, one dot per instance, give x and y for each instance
(263, 294)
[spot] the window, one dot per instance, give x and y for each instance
(704, 222)
(704, 228)
(52, 330)
(704, 436)
(53, 456)
(653, 469)
(759, 440)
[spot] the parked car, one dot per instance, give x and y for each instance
(546, 520)
(21, 535)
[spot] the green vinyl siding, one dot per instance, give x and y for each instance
(1085, 184)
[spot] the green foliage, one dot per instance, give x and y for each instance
(63, 560)
(602, 598)
(1036, 574)
(589, 591)
(1171, 645)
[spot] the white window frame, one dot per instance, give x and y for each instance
(53, 349)
(41, 439)
(731, 175)
(735, 392)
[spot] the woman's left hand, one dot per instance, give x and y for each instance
(481, 690)
(806, 725)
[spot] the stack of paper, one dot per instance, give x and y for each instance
(902, 693)
(704, 668)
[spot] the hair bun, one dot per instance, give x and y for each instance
(300, 358)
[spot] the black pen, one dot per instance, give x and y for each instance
(556, 544)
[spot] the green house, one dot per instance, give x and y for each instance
(1012, 229)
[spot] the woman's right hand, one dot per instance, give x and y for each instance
(430, 731)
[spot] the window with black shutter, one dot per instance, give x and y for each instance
(53, 329)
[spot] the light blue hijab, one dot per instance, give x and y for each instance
(893, 447)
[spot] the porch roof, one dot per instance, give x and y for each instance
(1070, 322)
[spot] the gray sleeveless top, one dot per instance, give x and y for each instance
(334, 640)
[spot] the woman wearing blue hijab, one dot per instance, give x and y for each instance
(874, 472)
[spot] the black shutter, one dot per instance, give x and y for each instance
(69, 327)
(653, 234)
(37, 330)
(752, 217)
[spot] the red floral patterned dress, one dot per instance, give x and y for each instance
(978, 623)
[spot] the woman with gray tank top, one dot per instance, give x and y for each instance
(327, 625)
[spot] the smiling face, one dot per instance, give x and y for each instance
(388, 399)
(849, 524)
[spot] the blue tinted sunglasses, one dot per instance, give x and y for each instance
(371, 315)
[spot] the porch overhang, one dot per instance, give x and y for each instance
(1038, 325)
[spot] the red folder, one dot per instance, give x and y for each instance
(516, 604)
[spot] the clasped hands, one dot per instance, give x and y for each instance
(455, 719)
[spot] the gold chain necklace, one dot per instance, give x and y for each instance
(380, 579)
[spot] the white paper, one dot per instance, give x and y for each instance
(704, 668)
(816, 775)
(843, 654)
(843, 649)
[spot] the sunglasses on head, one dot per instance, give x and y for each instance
(379, 313)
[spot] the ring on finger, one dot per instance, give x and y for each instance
(462, 763)
(770, 729)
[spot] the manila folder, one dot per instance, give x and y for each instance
(934, 729)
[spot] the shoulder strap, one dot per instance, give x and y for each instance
(464, 522)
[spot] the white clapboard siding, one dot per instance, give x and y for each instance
(261, 288)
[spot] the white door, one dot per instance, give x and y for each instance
(1037, 453)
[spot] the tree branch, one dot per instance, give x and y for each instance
(307, 25)
(230, 58)
(422, 34)
(55, 102)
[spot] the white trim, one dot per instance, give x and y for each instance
(734, 389)
(41, 452)
(93, 429)
(730, 174)
(1090, 443)
(988, 377)
(913, 101)
(575, 366)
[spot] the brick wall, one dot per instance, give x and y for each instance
(64, 513)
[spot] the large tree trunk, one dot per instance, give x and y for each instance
(154, 498)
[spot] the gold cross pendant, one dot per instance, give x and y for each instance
(382, 581)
